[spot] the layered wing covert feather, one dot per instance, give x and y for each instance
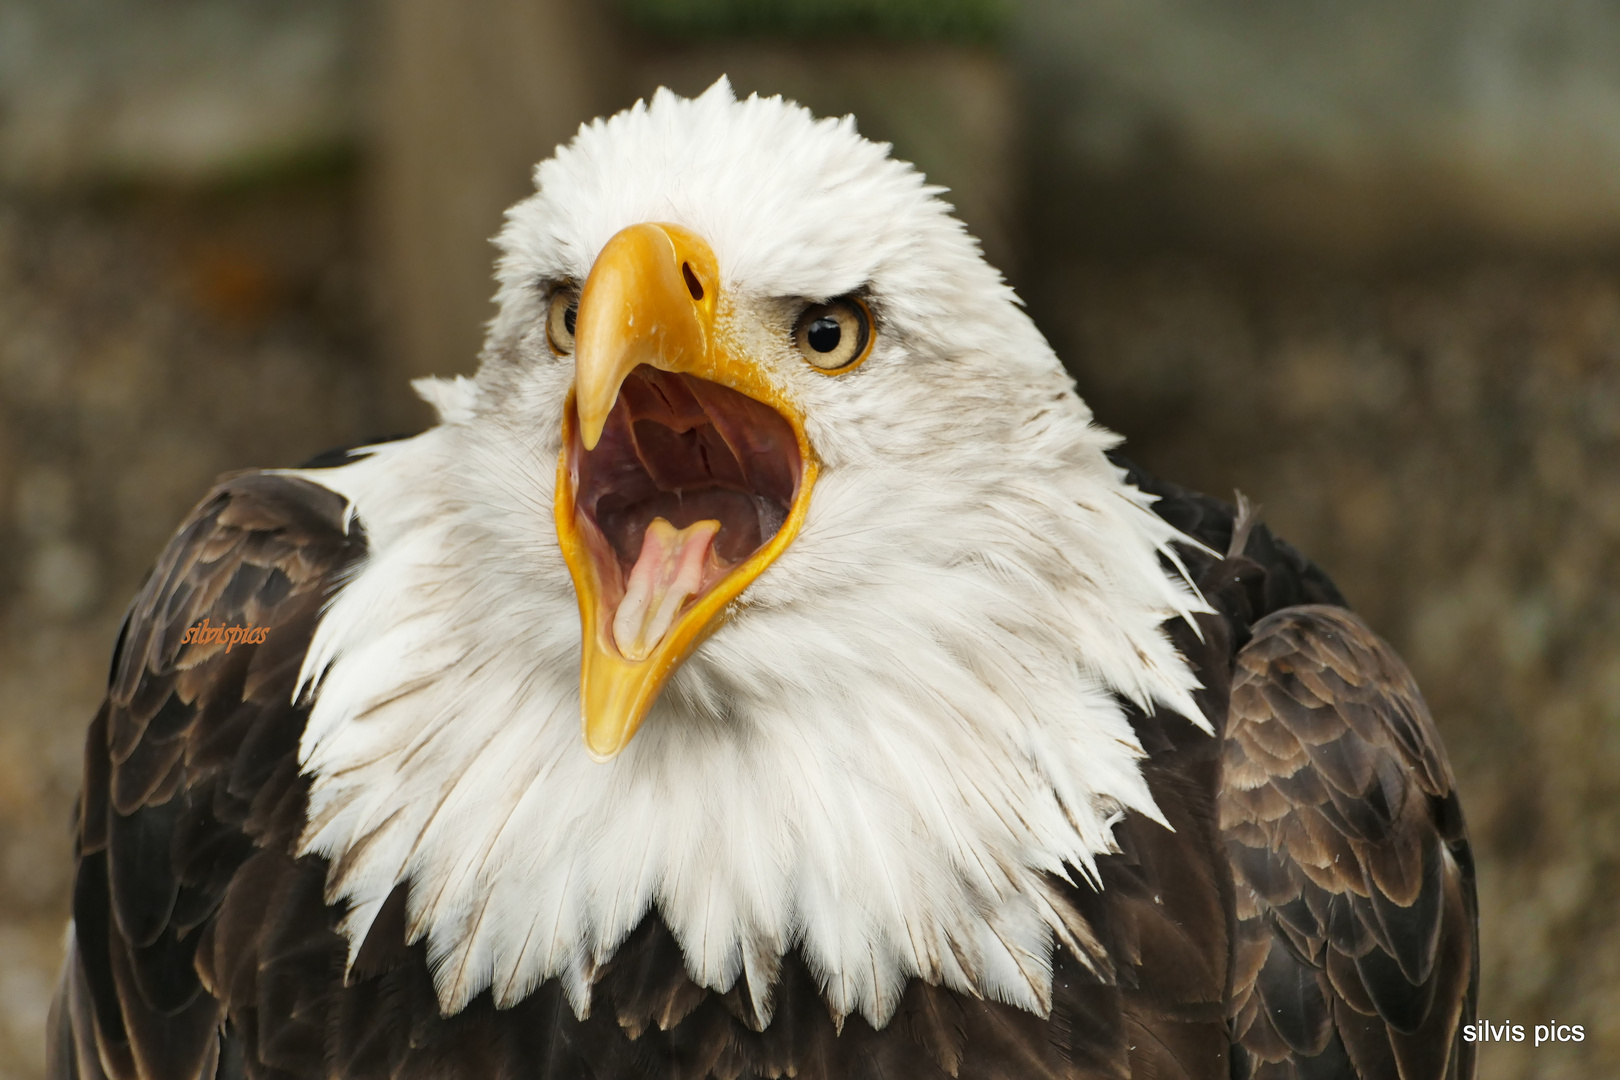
(1355, 937)
(1356, 942)
(187, 765)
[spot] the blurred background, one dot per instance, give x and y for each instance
(1361, 261)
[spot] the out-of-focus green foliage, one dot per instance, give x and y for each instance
(956, 20)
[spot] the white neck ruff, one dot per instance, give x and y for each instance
(911, 722)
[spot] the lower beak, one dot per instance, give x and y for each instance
(685, 473)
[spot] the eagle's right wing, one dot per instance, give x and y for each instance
(1356, 952)
(193, 753)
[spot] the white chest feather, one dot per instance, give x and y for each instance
(908, 724)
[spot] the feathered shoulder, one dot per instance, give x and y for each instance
(190, 766)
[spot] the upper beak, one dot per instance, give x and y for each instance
(649, 299)
(652, 298)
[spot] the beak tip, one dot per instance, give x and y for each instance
(605, 739)
(590, 428)
(600, 755)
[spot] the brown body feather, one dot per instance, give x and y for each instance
(1309, 914)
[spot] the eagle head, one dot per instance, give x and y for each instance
(861, 603)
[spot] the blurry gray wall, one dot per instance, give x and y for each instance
(1361, 260)
(1354, 128)
(468, 97)
(171, 90)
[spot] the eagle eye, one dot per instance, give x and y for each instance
(836, 336)
(560, 317)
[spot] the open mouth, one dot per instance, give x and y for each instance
(689, 480)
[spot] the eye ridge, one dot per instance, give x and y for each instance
(836, 336)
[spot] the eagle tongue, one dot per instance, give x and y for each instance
(668, 571)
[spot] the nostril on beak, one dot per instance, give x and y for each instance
(693, 285)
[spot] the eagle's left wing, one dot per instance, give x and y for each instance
(1356, 945)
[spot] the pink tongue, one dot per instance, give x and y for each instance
(668, 571)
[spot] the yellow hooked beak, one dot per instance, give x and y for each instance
(652, 298)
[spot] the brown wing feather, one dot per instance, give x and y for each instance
(178, 764)
(1356, 945)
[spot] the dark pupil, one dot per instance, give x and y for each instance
(824, 334)
(568, 318)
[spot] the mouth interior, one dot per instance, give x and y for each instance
(687, 451)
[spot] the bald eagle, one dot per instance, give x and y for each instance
(923, 735)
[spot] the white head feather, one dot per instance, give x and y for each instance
(913, 718)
